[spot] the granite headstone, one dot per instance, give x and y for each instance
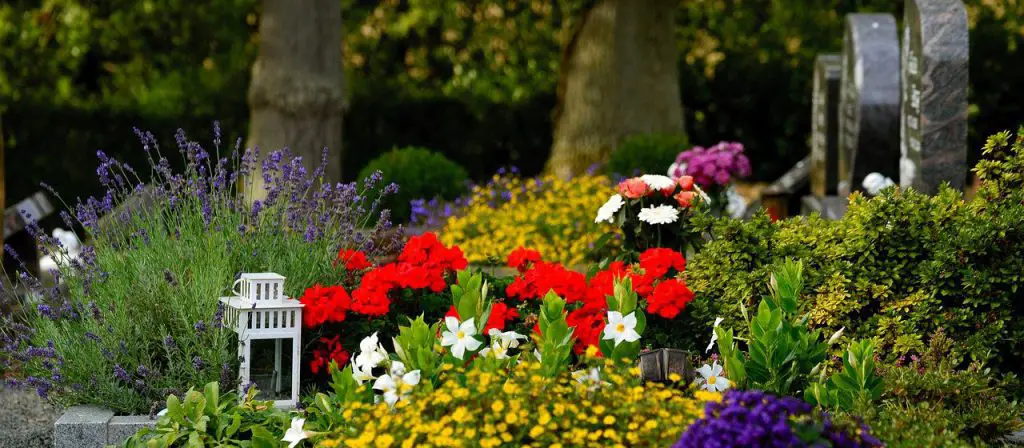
(825, 125)
(869, 100)
(933, 131)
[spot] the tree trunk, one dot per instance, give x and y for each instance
(618, 77)
(296, 96)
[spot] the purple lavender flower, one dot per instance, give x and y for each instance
(169, 342)
(121, 374)
(142, 371)
(47, 311)
(197, 363)
(200, 327)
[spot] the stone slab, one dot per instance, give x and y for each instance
(829, 207)
(122, 427)
(933, 125)
(869, 104)
(82, 427)
(825, 124)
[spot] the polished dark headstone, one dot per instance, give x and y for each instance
(825, 124)
(869, 104)
(933, 131)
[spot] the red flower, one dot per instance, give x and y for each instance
(544, 277)
(656, 262)
(685, 183)
(633, 188)
(522, 259)
(669, 298)
(587, 324)
(330, 351)
(602, 285)
(685, 198)
(370, 301)
(354, 260)
(324, 305)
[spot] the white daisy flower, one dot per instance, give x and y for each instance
(398, 384)
(657, 181)
(662, 214)
(607, 211)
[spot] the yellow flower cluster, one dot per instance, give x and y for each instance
(522, 408)
(547, 214)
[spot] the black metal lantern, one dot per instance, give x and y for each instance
(658, 365)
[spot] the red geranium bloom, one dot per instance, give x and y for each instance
(324, 304)
(587, 324)
(602, 285)
(354, 260)
(330, 351)
(669, 298)
(521, 259)
(656, 262)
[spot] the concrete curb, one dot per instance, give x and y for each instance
(95, 427)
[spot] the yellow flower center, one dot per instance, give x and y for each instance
(460, 334)
(620, 328)
(712, 379)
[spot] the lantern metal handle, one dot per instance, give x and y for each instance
(234, 287)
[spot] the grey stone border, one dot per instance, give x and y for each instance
(95, 427)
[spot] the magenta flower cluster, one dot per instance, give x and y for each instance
(756, 419)
(717, 165)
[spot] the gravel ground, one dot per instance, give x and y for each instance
(26, 421)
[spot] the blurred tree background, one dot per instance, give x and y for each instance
(474, 80)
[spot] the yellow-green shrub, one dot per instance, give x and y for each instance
(548, 214)
(523, 408)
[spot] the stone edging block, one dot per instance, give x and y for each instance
(95, 427)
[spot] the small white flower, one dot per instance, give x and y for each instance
(662, 214)
(621, 328)
(295, 433)
(835, 336)
(371, 354)
(874, 183)
(703, 196)
(714, 336)
(501, 342)
(459, 336)
(711, 378)
(677, 169)
(536, 354)
(607, 211)
(397, 384)
(657, 181)
(591, 378)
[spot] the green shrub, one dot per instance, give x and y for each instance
(646, 154)
(420, 173)
(895, 268)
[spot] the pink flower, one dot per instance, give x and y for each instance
(685, 198)
(685, 183)
(633, 188)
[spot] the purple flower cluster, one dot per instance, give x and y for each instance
(717, 165)
(756, 419)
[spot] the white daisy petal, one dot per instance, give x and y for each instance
(657, 181)
(607, 211)
(656, 215)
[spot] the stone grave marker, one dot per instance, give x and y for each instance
(933, 130)
(869, 100)
(824, 124)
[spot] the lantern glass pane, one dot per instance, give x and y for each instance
(271, 368)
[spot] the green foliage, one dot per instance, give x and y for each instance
(414, 346)
(556, 339)
(927, 401)
(209, 419)
(419, 173)
(781, 349)
(857, 383)
(895, 268)
(646, 154)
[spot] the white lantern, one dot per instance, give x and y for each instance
(269, 327)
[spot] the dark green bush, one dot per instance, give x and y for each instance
(419, 173)
(896, 267)
(646, 154)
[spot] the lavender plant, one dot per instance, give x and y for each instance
(135, 317)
